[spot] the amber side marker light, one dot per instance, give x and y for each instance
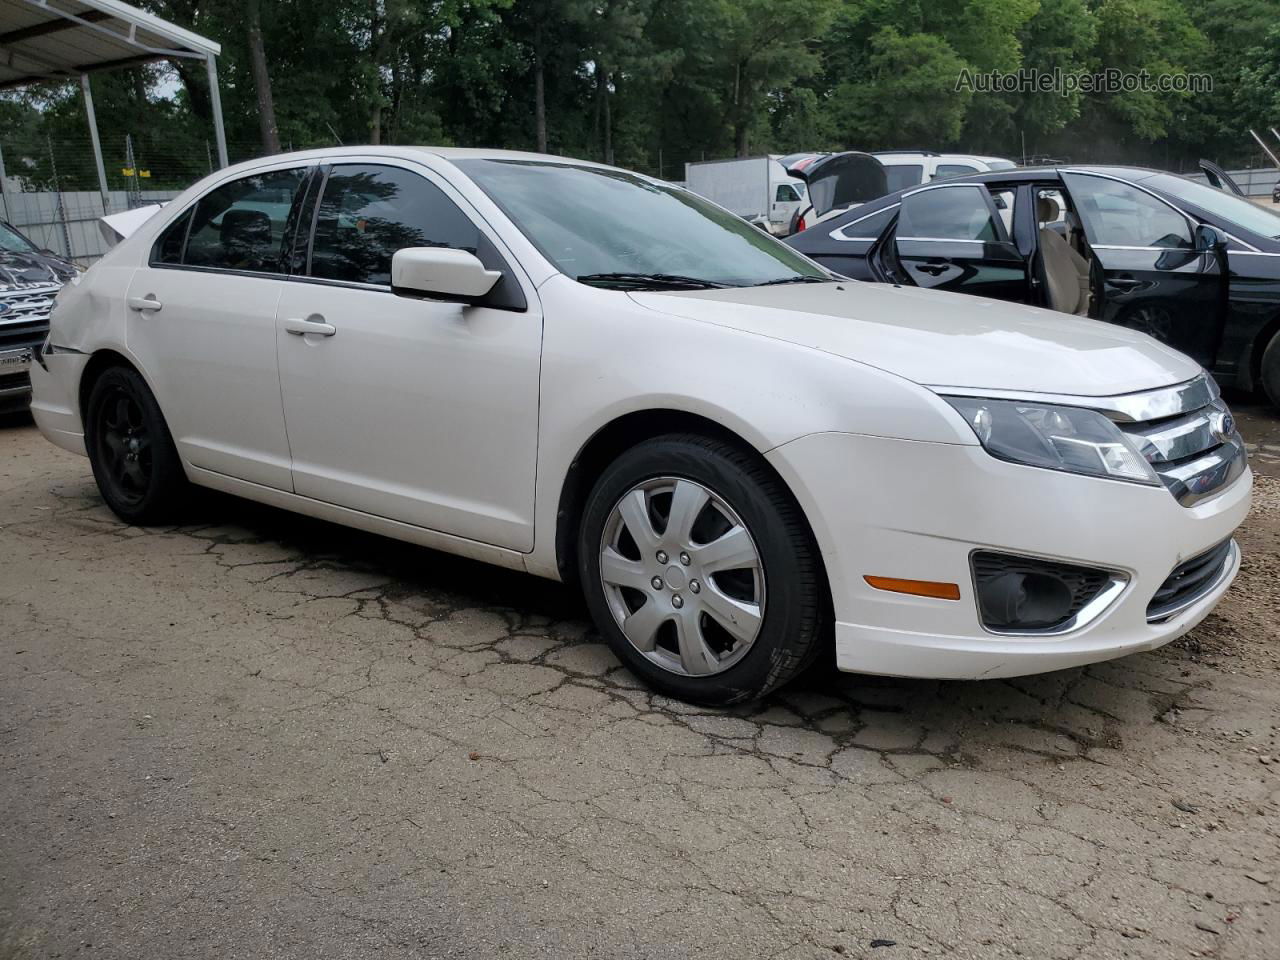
(916, 588)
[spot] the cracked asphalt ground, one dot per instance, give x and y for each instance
(260, 736)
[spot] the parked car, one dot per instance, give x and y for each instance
(1195, 267)
(910, 168)
(835, 182)
(588, 375)
(758, 189)
(29, 278)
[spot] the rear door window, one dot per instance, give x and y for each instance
(241, 224)
(949, 213)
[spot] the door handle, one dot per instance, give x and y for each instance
(933, 269)
(1124, 283)
(301, 327)
(143, 304)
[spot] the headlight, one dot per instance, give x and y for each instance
(1056, 438)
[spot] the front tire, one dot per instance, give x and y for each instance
(700, 571)
(131, 451)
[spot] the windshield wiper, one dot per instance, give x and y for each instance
(802, 278)
(642, 281)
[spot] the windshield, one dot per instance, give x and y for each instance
(611, 228)
(12, 241)
(1238, 210)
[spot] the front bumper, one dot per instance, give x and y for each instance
(911, 510)
(15, 379)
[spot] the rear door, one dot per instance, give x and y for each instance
(201, 321)
(1147, 273)
(951, 237)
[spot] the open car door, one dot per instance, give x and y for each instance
(952, 237)
(1154, 270)
(1219, 178)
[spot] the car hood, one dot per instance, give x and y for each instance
(941, 339)
(24, 269)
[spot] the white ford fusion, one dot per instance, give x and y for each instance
(589, 375)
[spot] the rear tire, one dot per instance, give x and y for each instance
(700, 571)
(1271, 370)
(131, 451)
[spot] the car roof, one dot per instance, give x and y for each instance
(411, 152)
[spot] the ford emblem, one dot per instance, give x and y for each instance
(4, 308)
(1223, 425)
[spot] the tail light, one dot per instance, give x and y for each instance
(800, 224)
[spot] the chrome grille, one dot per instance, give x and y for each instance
(1187, 434)
(24, 315)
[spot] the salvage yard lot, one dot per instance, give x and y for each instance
(263, 736)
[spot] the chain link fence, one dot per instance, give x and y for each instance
(52, 193)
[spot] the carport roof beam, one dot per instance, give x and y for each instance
(61, 40)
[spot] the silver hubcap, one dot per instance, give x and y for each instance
(682, 576)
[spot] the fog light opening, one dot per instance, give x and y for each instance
(1025, 601)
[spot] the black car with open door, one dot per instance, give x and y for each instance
(1196, 267)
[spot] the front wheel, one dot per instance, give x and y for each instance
(700, 571)
(131, 451)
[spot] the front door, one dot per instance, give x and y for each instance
(415, 410)
(201, 321)
(1150, 275)
(950, 237)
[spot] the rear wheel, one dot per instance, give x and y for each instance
(131, 451)
(1271, 370)
(700, 571)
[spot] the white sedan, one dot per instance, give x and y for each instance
(593, 376)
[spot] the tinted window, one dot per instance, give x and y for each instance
(953, 170)
(590, 221)
(1118, 214)
(1237, 210)
(168, 248)
(240, 226)
(367, 213)
(867, 227)
(952, 213)
(903, 175)
(786, 192)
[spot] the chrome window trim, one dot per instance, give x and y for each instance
(949, 240)
(1228, 571)
(838, 232)
(1200, 391)
(1120, 246)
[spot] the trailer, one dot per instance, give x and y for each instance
(757, 189)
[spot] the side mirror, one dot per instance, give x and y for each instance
(1208, 239)
(441, 273)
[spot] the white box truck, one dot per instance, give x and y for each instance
(757, 189)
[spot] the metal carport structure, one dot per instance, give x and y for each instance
(66, 40)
